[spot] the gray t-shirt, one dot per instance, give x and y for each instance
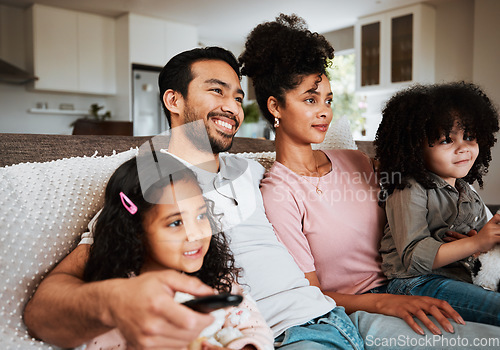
(270, 275)
(417, 221)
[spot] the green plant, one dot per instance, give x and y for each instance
(94, 112)
(252, 112)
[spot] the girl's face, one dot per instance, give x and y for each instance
(307, 112)
(452, 156)
(179, 233)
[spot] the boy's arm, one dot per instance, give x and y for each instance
(67, 312)
(483, 241)
(406, 212)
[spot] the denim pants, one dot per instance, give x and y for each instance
(333, 330)
(473, 303)
(381, 332)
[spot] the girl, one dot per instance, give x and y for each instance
(324, 205)
(432, 143)
(156, 218)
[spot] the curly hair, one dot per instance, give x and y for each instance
(120, 243)
(279, 54)
(422, 114)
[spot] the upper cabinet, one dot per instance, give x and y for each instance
(154, 41)
(71, 51)
(395, 48)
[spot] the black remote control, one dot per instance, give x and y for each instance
(210, 303)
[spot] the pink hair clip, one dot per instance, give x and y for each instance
(128, 204)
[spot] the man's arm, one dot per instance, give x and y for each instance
(67, 312)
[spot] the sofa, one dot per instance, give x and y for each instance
(52, 185)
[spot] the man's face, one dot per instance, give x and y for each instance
(214, 96)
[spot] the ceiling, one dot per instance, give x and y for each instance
(227, 22)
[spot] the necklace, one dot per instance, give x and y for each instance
(318, 190)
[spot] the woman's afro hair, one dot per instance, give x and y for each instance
(279, 53)
(418, 117)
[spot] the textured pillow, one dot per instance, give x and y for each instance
(338, 136)
(45, 207)
(266, 159)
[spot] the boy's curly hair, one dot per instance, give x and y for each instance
(120, 244)
(279, 54)
(422, 114)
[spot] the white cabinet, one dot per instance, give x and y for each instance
(96, 54)
(71, 51)
(154, 41)
(395, 48)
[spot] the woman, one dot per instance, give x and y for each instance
(323, 205)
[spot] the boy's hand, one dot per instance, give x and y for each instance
(489, 235)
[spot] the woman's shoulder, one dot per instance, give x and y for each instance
(276, 175)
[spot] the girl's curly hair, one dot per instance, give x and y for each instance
(422, 114)
(279, 54)
(120, 243)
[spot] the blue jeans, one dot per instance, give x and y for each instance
(392, 333)
(333, 330)
(473, 303)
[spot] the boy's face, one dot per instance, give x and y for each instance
(452, 156)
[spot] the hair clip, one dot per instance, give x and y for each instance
(128, 204)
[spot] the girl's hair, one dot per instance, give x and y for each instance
(279, 54)
(419, 116)
(120, 243)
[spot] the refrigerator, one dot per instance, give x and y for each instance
(148, 116)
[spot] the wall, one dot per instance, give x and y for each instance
(15, 101)
(486, 50)
(454, 19)
(342, 39)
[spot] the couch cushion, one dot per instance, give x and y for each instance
(45, 208)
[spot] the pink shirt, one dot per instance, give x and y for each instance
(338, 233)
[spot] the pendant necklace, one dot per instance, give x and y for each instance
(318, 190)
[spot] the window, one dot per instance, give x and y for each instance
(346, 102)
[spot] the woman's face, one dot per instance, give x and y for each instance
(178, 231)
(307, 112)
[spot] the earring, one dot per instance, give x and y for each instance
(276, 122)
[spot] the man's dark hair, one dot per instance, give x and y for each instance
(177, 74)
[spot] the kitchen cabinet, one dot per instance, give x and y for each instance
(154, 41)
(395, 48)
(71, 51)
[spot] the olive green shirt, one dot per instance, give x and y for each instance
(417, 221)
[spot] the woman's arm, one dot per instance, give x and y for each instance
(405, 307)
(67, 312)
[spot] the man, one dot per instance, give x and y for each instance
(198, 87)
